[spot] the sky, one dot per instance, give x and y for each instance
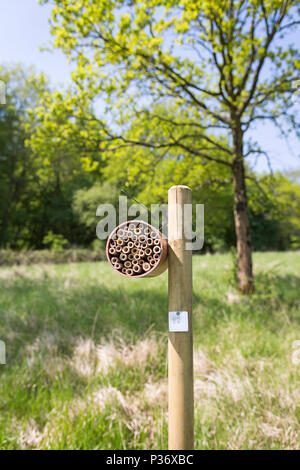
(24, 29)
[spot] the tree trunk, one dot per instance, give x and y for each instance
(241, 217)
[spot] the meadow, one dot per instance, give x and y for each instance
(86, 357)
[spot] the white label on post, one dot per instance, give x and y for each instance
(178, 321)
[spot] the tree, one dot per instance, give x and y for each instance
(86, 201)
(41, 166)
(62, 133)
(221, 63)
(16, 162)
(282, 201)
(148, 173)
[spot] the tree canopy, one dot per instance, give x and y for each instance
(219, 65)
(162, 93)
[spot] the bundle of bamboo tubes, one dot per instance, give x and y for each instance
(137, 249)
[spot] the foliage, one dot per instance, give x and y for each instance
(275, 211)
(55, 146)
(86, 201)
(37, 180)
(56, 186)
(219, 66)
(17, 165)
(54, 242)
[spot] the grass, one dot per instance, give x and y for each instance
(86, 357)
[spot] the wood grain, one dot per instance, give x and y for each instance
(180, 344)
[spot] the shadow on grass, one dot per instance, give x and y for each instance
(275, 303)
(33, 309)
(284, 287)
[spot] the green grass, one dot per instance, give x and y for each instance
(86, 357)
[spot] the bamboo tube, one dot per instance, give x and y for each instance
(118, 265)
(129, 272)
(180, 355)
(135, 248)
(127, 264)
(121, 233)
(156, 241)
(124, 270)
(131, 227)
(146, 267)
(152, 261)
(156, 249)
(156, 256)
(114, 259)
(123, 257)
(153, 234)
(112, 251)
(137, 268)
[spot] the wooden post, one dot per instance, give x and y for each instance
(180, 353)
